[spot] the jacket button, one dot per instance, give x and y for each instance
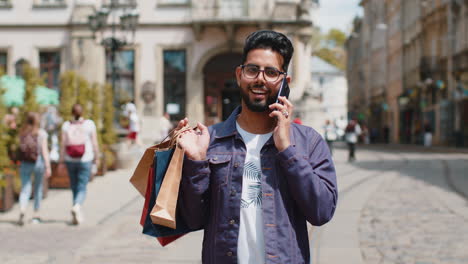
(236, 164)
(232, 222)
(229, 254)
(215, 158)
(233, 192)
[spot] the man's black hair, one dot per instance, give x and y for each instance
(268, 39)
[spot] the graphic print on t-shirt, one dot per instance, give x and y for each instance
(252, 177)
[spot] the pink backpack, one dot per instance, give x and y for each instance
(75, 139)
(28, 147)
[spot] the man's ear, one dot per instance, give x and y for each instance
(288, 79)
(238, 75)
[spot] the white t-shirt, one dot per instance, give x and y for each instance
(251, 244)
(134, 123)
(88, 155)
(352, 137)
(41, 136)
(164, 128)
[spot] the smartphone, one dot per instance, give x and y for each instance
(284, 90)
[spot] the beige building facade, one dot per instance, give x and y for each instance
(180, 60)
(425, 76)
(394, 69)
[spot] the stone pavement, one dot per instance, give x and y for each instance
(110, 234)
(397, 207)
(394, 207)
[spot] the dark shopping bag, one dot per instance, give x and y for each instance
(148, 179)
(163, 233)
(162, 240)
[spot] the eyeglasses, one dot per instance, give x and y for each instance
(270, 74)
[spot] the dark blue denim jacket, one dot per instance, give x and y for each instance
(298, 185)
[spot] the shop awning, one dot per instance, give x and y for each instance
(14, 92)
(46, 96)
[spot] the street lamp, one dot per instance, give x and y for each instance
(97, 22)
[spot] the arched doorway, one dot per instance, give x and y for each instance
(221, 93)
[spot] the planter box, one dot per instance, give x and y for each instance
(59, 177)
(102, 167)
(7, 198)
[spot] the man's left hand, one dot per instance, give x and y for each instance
(283, 112)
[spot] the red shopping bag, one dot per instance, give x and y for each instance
(149, 187)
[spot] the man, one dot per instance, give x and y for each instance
(79, 151)
(353, 131)
(253, 181)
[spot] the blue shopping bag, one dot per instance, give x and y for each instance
(161, 162)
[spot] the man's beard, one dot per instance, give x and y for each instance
(257, 106)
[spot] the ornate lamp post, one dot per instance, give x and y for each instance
(98, 22)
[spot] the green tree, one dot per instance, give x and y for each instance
(68, 87)
(4, 138)
(331, 48)
(96, 110)
(108, 133)
(336, 37)
(32, 79)
(83, 95)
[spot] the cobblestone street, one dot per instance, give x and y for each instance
(395, 206)
(409, 219)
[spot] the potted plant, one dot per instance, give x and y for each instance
(107, 132)
(6, 178)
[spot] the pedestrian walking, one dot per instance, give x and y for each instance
(352, 132)
(79, 151)
(330, 134)
(252, 181)
(34, 157)
(50, 122)
(427, 134)
(165, 126)
(297, 120)
(133, 124)
(365, 134)
(11, 119)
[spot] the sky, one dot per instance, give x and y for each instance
(337, 14)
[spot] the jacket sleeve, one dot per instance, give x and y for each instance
(193, 196)
(312, 180)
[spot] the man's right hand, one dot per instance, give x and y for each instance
(194, 142)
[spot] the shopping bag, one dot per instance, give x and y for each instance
(163, 241)
(164, 234)
(164, 211)
(147, 179)
(139, 178)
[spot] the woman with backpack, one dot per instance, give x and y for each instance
(79, 151)
(34, 157)
(352, 132)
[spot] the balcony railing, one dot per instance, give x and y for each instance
(228, 10)
(49, 3)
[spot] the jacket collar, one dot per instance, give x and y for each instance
(228, 128)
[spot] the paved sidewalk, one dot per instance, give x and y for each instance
(111, 233)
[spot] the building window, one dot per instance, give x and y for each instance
(173, 2)
(120, 3)
(124, 89)
(50, 2)
(59, 4)
(5, 3)
(49, 64)
(175, 70)
(3, 62)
